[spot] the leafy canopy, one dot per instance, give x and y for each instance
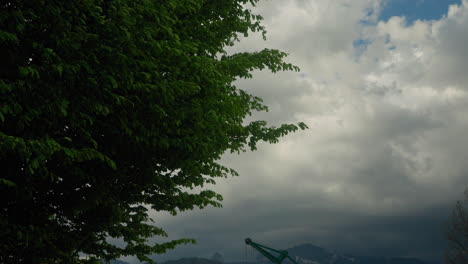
(110, 107)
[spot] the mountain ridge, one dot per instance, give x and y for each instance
(307, 254)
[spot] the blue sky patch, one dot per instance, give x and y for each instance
(360, 46)
(361, 43)
(416, 9)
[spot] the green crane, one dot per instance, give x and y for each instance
(283, 254)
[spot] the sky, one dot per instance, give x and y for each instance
(383, 87)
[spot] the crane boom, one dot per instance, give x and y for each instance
(263, 250)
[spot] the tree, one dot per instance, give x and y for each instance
(458, 233)
(111, 107)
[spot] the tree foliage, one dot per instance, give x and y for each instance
(111, 107)
(458, 233)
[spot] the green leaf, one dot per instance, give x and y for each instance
(7, 183)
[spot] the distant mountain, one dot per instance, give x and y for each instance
(218, 257)
(304, 254)
(193, 261)
(310, 254)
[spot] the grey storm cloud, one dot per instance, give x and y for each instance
(385, 157)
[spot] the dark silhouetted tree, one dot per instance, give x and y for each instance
(111, 107)
(458, 233)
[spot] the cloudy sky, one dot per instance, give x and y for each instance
(383, 87)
